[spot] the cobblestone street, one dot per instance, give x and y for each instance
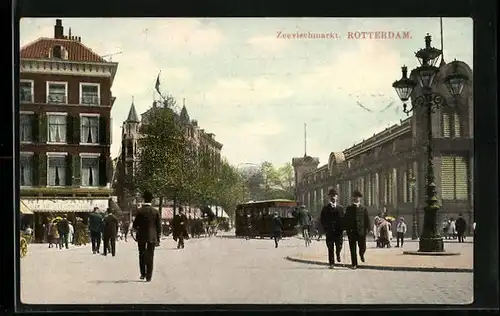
(224, 271)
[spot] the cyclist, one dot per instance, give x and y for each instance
(305, 220)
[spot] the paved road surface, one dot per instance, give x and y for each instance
(224, 271)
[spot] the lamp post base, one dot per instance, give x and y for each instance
(431, 244)
(414, 232)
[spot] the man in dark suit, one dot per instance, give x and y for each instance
(179, 223)
(63, 227)
(147, 224)
(331, 218)
(357, 225)
(109, 233)
(95, 227)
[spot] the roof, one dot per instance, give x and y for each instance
(40, 49)
(132, 115)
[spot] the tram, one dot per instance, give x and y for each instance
(260, 214)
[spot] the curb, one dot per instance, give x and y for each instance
(384, 268)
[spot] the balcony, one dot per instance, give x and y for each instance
(57, 98)
(90, 99)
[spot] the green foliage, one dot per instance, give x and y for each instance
(270, 182)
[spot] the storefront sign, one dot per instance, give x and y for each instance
(66, 205)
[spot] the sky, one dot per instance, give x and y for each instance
(252, 85)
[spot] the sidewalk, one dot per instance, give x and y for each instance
(393, 258)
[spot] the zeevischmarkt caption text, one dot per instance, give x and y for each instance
(356, 35)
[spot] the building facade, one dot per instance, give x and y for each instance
(389, 168)
(126, 163)
(65, 124)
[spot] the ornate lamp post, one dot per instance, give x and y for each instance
(413, 185)
(430, 241)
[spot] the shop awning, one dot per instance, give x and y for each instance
(65, 205)
(24, 209)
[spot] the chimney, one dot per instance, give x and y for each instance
(58, 29)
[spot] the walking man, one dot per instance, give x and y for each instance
(277, 227)
(331, 220)
(460, 227)
(357, 225)
(63, 232)
(400, 231)
(95, 227)
(305, 219)
(147, 224)
(110, 231)
(180, 228)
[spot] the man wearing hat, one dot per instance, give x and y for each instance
(357, 225)
(305, 219)
(331, 220)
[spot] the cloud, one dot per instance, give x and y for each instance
(268, 44)
(238, 92)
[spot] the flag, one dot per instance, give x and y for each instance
(157, 84)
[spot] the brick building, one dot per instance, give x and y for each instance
(381, 167)
(199, 139)
(65, 104)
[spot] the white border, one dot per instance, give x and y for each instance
(90, 155)
(32, 90)
(47, 85)
(98, 129)
(48, 127)
(92, 84)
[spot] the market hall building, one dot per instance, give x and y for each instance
(65, 122)
(389, 167)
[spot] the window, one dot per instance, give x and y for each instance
(446, 125)
(57, 127)
(26, 172)
(90, 171)
(405, 187)
(388, 193)
(454, 178)
(89, 93)
(57, 92)
(89, 131)
(456, 125)
(369, 190)
(26, 91)
(26, 121)
(56, 173)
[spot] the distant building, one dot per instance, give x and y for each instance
(381, 167)
(65, 105)
(129, 153)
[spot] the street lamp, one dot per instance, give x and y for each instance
(413, 185)
(430, 241)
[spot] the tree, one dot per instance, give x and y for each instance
(229, 188)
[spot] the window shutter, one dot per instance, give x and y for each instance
(76, 165)
(103, 135)
(76, 129)
(35, 171)
(70, 139)
(35, 128)
(42, 169)
(447, 177)
(102, 170)
(69, 169)
(42, 128)
(461, 178)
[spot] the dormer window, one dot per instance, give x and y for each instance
(58, 52)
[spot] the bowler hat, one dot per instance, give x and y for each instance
(357, 194)
(332, 192)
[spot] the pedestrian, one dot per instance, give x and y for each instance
(63, 227)
(400, 231)
(180, 228)
(444, 226)
(305, 219)
(110, 231)
(357, 225)
(95, 227)
(452, 229)
(54, 233)
(331, 219)
(248, 220)
(50, 238)
(277, 228)
(147, 225)
(460, 226)
(71, 232)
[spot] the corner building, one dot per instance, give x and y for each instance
(65, 124)
(381, 167)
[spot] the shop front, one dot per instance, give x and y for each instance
(45, 209)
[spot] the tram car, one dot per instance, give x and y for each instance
(254, 219)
